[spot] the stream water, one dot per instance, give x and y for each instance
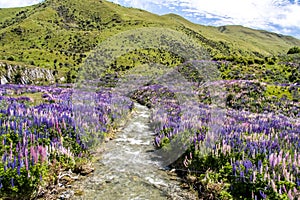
(128, 168)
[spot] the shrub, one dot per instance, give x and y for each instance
(293, 50)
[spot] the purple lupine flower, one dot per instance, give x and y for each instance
(234, 169)
(26, 159)
(4, 157)
(247, 165)
(12, 182)
(11, 151)
(19, 170)
(13, 163)
(298, 182)
(242, 175)
(262, 194)
(259, 166)
(157, 141)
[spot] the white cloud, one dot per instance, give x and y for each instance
(256, 13)
(17, 3)
(282, 16)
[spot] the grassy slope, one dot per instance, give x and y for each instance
(59, 34)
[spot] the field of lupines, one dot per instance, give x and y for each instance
(43, 130)
(242, 143)
(231, 151)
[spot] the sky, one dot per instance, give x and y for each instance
(279, 16)
(17, 3)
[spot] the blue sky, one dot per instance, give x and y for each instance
(280, 16)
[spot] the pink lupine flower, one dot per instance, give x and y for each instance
(295, 190)
(31, 138)
(26, 161)
(287, 155)
(290, 196)
(42, 152)
(185, 162)
(271, 159)
(275, 161)
(34, 154)
(284, 189)
(273, 186)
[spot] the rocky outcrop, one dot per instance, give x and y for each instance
(25, 75)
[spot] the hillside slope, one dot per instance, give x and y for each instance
(59, 34)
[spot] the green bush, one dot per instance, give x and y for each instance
(293, 50)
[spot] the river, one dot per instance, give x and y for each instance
(129, 169)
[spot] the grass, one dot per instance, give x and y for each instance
(36, 97)
(278, 92)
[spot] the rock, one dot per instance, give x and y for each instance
(3, 80)
(66, 180)
(10, 92)
(185, 185)
(85, 170)
(79, 192)
(25, 75)
(67, 194)
(62, 79)
(108, 181)
(191, 179)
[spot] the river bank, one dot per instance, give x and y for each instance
(126, 167)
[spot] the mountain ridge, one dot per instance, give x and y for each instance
(59, 35)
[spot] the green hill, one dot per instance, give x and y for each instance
(60, 34)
